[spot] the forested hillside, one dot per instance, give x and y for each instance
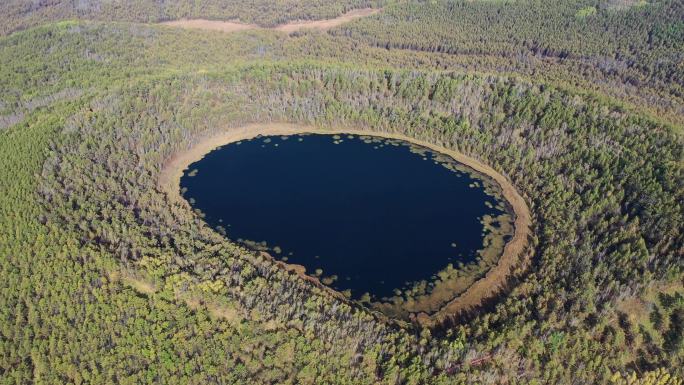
(106, 278)
(642, 43)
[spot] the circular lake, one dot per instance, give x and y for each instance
(367, 215)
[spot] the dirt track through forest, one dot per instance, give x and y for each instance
(235, 26)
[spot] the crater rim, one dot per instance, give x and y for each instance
(516, 252)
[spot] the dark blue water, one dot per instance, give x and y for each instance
(376, 215)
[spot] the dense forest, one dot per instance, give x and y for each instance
(584, 34)
(106, 278)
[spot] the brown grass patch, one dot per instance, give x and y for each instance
(637, 306)
(138, 284)
(225, 312)
(211, 25)
(235, 26)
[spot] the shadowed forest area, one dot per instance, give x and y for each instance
(108, 278)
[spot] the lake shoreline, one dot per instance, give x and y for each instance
(491, 285)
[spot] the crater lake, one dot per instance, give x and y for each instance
(364, 214)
